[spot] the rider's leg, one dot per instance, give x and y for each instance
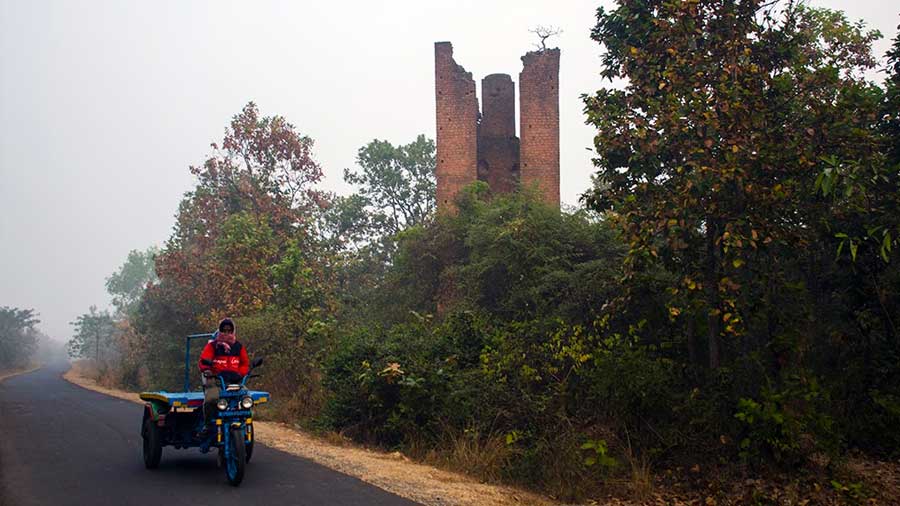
(210, 397)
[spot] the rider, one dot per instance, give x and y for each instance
(229, 360)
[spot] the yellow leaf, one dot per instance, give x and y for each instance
(737, 263)
(734, 149)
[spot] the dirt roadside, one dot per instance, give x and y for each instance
(390, 471)
(15, 372)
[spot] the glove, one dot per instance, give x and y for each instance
(207, 374)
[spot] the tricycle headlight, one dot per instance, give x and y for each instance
(222, 404)
(247, 402)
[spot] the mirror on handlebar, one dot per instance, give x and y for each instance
(256, 362)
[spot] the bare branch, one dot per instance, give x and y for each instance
(544, 33)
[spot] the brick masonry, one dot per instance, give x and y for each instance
(498, 146)
(483, 146)
(457, 126)
(539, 122)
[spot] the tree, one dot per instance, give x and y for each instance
(93, 334)
(396, 192)
(127, 284)
(892, 102)
(18, 336)
(254, 197)
(543, 33)
(397, 186)
(707, 158)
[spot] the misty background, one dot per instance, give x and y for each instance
(105, 104)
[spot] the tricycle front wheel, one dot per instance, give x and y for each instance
(234, 464)
(152, 444)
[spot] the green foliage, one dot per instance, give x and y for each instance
(127, 284)
(93, 335)
(396, 189)
(855, 492)
(293, 340)
(787, 425)
(755, 169)
(391, 386)
(18, 336)
(713, 140)
(513, 350)
(598, 455)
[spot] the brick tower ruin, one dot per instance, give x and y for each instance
(483, 146)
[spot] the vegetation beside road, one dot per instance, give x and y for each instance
(390, 471)
(19, 339)
(719, 321)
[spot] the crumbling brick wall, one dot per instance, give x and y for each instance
(457, 124)
(498, 146)
(484, 147)
(539, 122)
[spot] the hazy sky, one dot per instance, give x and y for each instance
(104, 104)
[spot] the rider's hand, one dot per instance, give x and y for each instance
(207, 373)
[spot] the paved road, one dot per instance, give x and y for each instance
(63, 445)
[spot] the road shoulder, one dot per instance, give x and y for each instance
(17, 372)
(392, 472)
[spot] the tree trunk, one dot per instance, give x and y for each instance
(711, 288)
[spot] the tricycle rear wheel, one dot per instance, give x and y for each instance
(152, 444)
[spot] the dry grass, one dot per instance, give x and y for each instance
(467, 452)
(641, 483)
(393, 472)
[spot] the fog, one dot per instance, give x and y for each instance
(105, 104)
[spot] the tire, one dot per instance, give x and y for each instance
(234, 466)
(152, 444)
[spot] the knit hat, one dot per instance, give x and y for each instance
(226, 322)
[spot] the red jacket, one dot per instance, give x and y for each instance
(234, 360)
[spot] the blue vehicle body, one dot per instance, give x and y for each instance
(176, 419)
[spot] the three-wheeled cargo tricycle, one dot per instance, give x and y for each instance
(176, 419)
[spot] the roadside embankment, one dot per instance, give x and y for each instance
(390, 471)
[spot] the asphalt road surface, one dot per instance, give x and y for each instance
(63, 445)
